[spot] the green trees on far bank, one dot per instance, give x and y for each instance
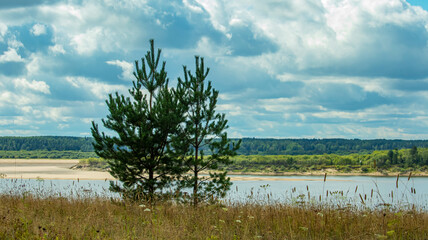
(393, 160)
(356, 163)
(159, 131)
(249, 146)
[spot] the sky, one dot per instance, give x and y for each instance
(284, 68)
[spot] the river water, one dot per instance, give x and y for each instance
(340, 191)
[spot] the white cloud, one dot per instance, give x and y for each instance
(219, 15)
(99, 89)
(88, 42)
(127, 68)
(57, 48)
(86, 28)
(3, 30)
(230, 109)
(192, 7)
(99, 38)
(324, 53)
(17, 132)
(13, 43)
(33, 64)
(381, 132)
(38, 29)
(39, 86)
(17, 99)
(128, 4)
(10, 56)
(63, 126)
(294, 104)
(205, 47)
(57, 114)
(328, 34)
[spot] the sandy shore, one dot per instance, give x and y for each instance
(48, 169)
(60, 169)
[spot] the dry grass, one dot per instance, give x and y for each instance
(31, 217)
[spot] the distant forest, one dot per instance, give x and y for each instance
(249, 146)
(47, 143)
(257, 146)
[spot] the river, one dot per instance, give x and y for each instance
(339, 191)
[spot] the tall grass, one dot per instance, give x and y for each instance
(41, 214)
(30, 217)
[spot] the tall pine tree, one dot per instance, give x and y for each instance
(143, 124)
(203, 141)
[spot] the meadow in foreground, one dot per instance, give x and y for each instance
(31, 217)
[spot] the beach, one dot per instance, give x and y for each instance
(61, 169)
(48, 169)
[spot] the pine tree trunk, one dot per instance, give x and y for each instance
(195, 183)
(151, 187)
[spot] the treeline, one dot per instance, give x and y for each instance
(404, 160)
(47, 143)
(254, 146)
(392, 160)
(42, 154)
(249, 146)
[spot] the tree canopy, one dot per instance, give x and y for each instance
(143, 124)
(202, 141)
(160, 132)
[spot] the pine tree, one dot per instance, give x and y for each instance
(143, 124)
(203, 130)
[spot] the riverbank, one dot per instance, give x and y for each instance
(332, 172)
(47, 169)
(73, 169)
(329, 171)
(100, 165)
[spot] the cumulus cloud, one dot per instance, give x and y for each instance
(56, 49)
(218, 16)
(10, 56)
(34, 85)
(87, 42)
(345, 37)
(57, 114)
(127, 68)
(13, 43)
(98, 89)
(309, 68)
(38, 29)
(18, 100)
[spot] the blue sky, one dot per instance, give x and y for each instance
(284, 69)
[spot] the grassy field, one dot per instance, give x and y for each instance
(32, 217)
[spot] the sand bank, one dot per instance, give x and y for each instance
(60, 169)
(48, 169)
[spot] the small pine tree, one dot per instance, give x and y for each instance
(143, 124)
(203, 131)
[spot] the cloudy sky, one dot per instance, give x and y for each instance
(284, 68)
